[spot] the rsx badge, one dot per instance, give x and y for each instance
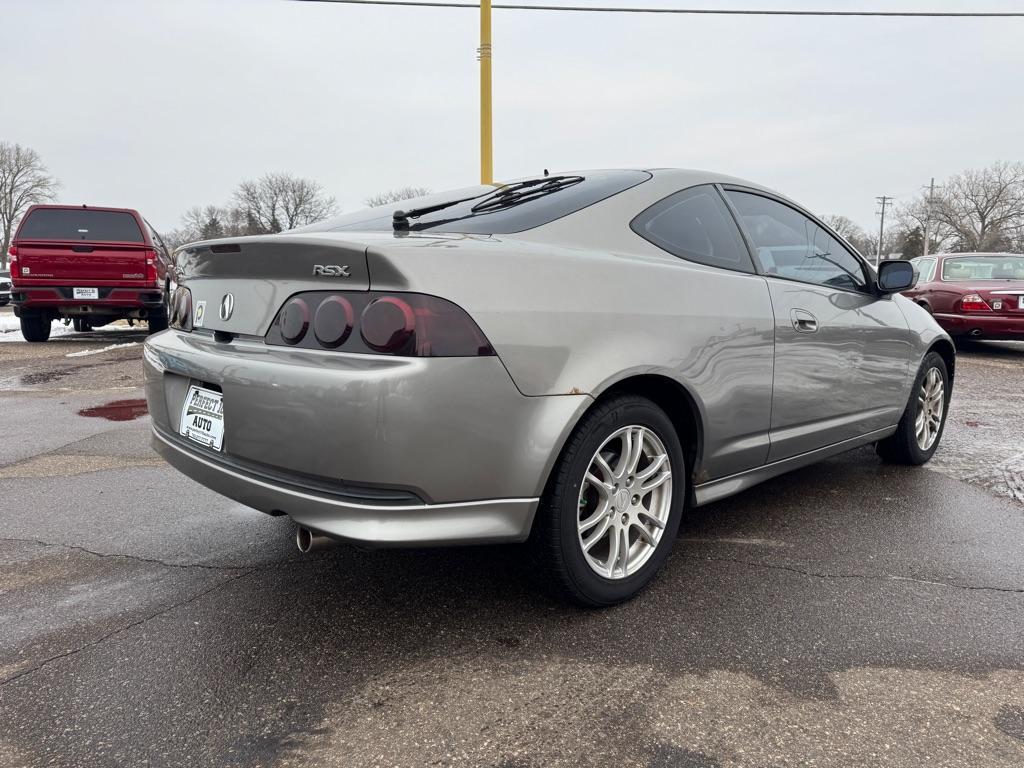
(331, 270)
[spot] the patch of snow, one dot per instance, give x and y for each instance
(10, 329)
(85, 352)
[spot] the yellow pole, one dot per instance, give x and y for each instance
(486, 141)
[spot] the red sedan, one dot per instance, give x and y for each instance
(975, 295)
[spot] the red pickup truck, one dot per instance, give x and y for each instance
(90, 265)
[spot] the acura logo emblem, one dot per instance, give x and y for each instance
(227, 306)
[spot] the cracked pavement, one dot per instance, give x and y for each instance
(851, 613)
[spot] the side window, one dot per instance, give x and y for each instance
(793, 246)
(925, 270)
(695, 225)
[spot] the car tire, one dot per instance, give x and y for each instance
(157, 318)
(4, 302)
(35, 327)
(81, 325)
(906, 445)
(571, 500)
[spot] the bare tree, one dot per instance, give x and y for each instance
(280, 201)
(984, 209)
(24, 181)
(852, 232)
(919, 214)
(395, 196)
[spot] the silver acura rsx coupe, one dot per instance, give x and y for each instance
(569, 360)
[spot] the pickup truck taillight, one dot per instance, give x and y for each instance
(13, 262)
(378, 323)
(152, 276)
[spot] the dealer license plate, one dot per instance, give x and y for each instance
(85, 293)
(202, 417)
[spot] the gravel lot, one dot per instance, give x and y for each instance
(848, 614)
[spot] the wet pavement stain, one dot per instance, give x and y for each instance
(45, 377)
(1010, 720)
(118, 410)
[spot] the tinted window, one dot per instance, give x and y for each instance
(530, 213)
(695, 225)
(80, 224)
(793, 246)
(983, 268)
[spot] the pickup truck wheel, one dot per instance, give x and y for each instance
(157, 318)
(35, 327)
(81, 324)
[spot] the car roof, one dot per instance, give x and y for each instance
(65, 207)
(975, 253)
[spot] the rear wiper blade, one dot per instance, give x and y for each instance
(506, 196)
(521, 191)
(400, 219)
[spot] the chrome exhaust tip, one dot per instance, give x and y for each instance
(308, 541)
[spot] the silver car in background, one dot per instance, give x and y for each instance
(568, 360)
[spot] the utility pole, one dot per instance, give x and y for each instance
(884, 201)
(484, 55)
(928, 214)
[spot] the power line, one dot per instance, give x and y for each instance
(686, 11)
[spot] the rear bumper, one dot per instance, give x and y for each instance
(373, 525)
(112, 299)
(325, 437)
(979, 326)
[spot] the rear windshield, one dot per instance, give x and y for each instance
(983, 268)
(536, 211)
(80, 224)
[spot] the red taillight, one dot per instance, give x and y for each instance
(12, 251)
(152, 276)
(294, 320)
(407, 324)
(972, 302)
(333, 322)
(387, 324)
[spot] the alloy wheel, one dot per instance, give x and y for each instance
(624, 502)
(931, 404)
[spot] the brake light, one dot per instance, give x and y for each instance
(387, 324)
(152, 276)
(294, 320)
(407, 324)
(12, 251)
(972, 302)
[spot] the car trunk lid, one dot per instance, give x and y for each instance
(1005, 297)
(260, 273)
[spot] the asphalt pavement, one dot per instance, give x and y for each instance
(849, 614)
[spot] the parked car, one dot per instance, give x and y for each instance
(90, 265)
(568, 360)
(5, 287)
(973, 295)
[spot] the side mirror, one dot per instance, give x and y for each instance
(896, 276)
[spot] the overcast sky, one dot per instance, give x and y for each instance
(165, 105)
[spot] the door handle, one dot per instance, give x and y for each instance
(803, 321)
